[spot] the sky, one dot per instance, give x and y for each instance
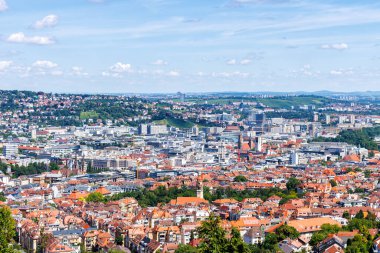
(147, 46)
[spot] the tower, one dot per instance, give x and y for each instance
(240, 142)
(200, 187)
(258, 144)
(251, 143)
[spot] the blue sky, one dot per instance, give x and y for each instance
(189, 46)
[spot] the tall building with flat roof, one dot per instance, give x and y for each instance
(10, 149)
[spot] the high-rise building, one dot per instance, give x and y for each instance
(328, 119)
(258, 144)
(294, 160)
(352, 118)
(143, 129)
(315, 118)
(10, 149)
(157, 129)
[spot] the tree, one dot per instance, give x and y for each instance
(358, 244)
(326, 229)
(293, 183)
(95, 197)
(240, 178)
(236, 244)
(346, 215)
(333, 183)
(119, 240)
(54, 166)
(185, 248)
(359, 215)
(285, 231)
(213, 236)
(7, 229)
(367, 173)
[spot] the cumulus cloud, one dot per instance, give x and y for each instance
(121, 67)
(230, 74)
(341, 72)
(338, 46)
(245, 61)
(4, 65)
(47, 21)
(44, 64)
(173, 73)
(160, 62)
(22, 38)
(241, 62)
(3, 5)
(57, 73)
(231, 62)
(118, 69)
(78, 71)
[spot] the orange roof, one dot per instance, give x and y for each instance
(103, 190)
(224, 201)
(311, 225)
(77, 195)
(187, 200)
(351, 158)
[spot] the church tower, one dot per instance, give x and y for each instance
(240, 141)
(200, 187)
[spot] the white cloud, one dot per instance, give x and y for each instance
(230, 74)
(44, 64)
(160, 62)
(117, 70)
(4, 65)
(3, 5)
(241, 62)
(22, 38)
(173, 73)
(121, 67)
(57, 73)
(231, 62)
(78, 71)
(341, 72)
(245, 61)
(338, 46)
(47, 21)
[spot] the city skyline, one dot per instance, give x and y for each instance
(149, 46)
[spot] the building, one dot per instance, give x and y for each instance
(294, 159)
(157, 129)
(143, 129)
(10, 150)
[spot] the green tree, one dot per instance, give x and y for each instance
(7, 230)
(213, 236)
(359, 215)
(240, 178)
(346, 215)
(286, 231)
(358, 244)
(119, 240)
(326, 229)
(95, 197)
(54, 166)
(333, 183)
(236, 243)
(293, 183)
(185, 248)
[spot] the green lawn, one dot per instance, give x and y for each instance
(89, 115)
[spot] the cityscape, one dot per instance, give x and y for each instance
(165, 129)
